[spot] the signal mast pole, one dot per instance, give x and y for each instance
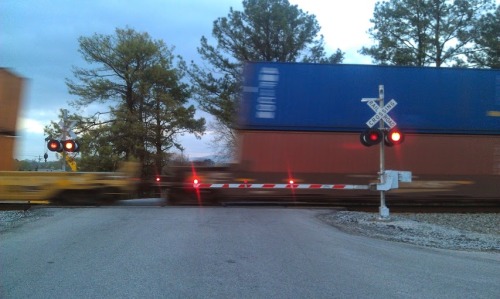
(383, 210)
(382, 135)
(64, 130)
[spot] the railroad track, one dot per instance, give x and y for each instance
(373, 206)
(434, 205)
(14, 207)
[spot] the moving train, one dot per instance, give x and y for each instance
(301, 123)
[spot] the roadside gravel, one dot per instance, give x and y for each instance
(471, 232)
(13, 219)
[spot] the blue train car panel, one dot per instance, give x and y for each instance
(325, 97)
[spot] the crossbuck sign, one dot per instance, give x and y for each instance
(381, 113)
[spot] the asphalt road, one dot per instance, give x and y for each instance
(186, 252)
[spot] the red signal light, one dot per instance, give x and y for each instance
(70, 146)
(157, 179)
(371, 137)
(54, 146)
(394, 137)
(196, 183)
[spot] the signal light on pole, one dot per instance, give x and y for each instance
(59, 146)
(371, 137)
(393, 137)
(70, 146)
(54, 146)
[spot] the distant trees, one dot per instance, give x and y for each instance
(432, 32)
(37, 165)
(148, 101)
(266, 30)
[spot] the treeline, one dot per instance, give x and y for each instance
(40, 165)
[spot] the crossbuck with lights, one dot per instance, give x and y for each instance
(391, 136)
(388, 179)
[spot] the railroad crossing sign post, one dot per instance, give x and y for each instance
(66, 133)
(382, 118)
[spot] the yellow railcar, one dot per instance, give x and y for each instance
(33, 187)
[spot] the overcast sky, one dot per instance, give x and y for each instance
(39, 41)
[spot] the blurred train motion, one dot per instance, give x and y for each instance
(301, 123)
(32, 187)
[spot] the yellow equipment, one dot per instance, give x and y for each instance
(30, 187)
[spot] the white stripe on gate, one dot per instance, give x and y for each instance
(282, 186)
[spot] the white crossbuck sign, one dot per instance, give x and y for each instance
(381, 113)
(67, 130)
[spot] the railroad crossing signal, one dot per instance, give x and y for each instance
(391, 136)
(373, 136)
(69, 145)
(65, 142)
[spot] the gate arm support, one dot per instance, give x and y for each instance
(391, 179)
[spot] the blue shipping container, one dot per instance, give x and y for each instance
(326, 97)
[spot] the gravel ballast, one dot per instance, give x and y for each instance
(13, 219)
(471, 232)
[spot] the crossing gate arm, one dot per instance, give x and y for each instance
(282, 186)
(391, 179)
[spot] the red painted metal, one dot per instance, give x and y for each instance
(342, 153)
(281, 186)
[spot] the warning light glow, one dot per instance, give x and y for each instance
(394, 137)
(54, 146)
(69, 146)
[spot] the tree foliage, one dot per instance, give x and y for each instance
(266, 30)
(487, 41)
(424, 32)
(148, 101)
